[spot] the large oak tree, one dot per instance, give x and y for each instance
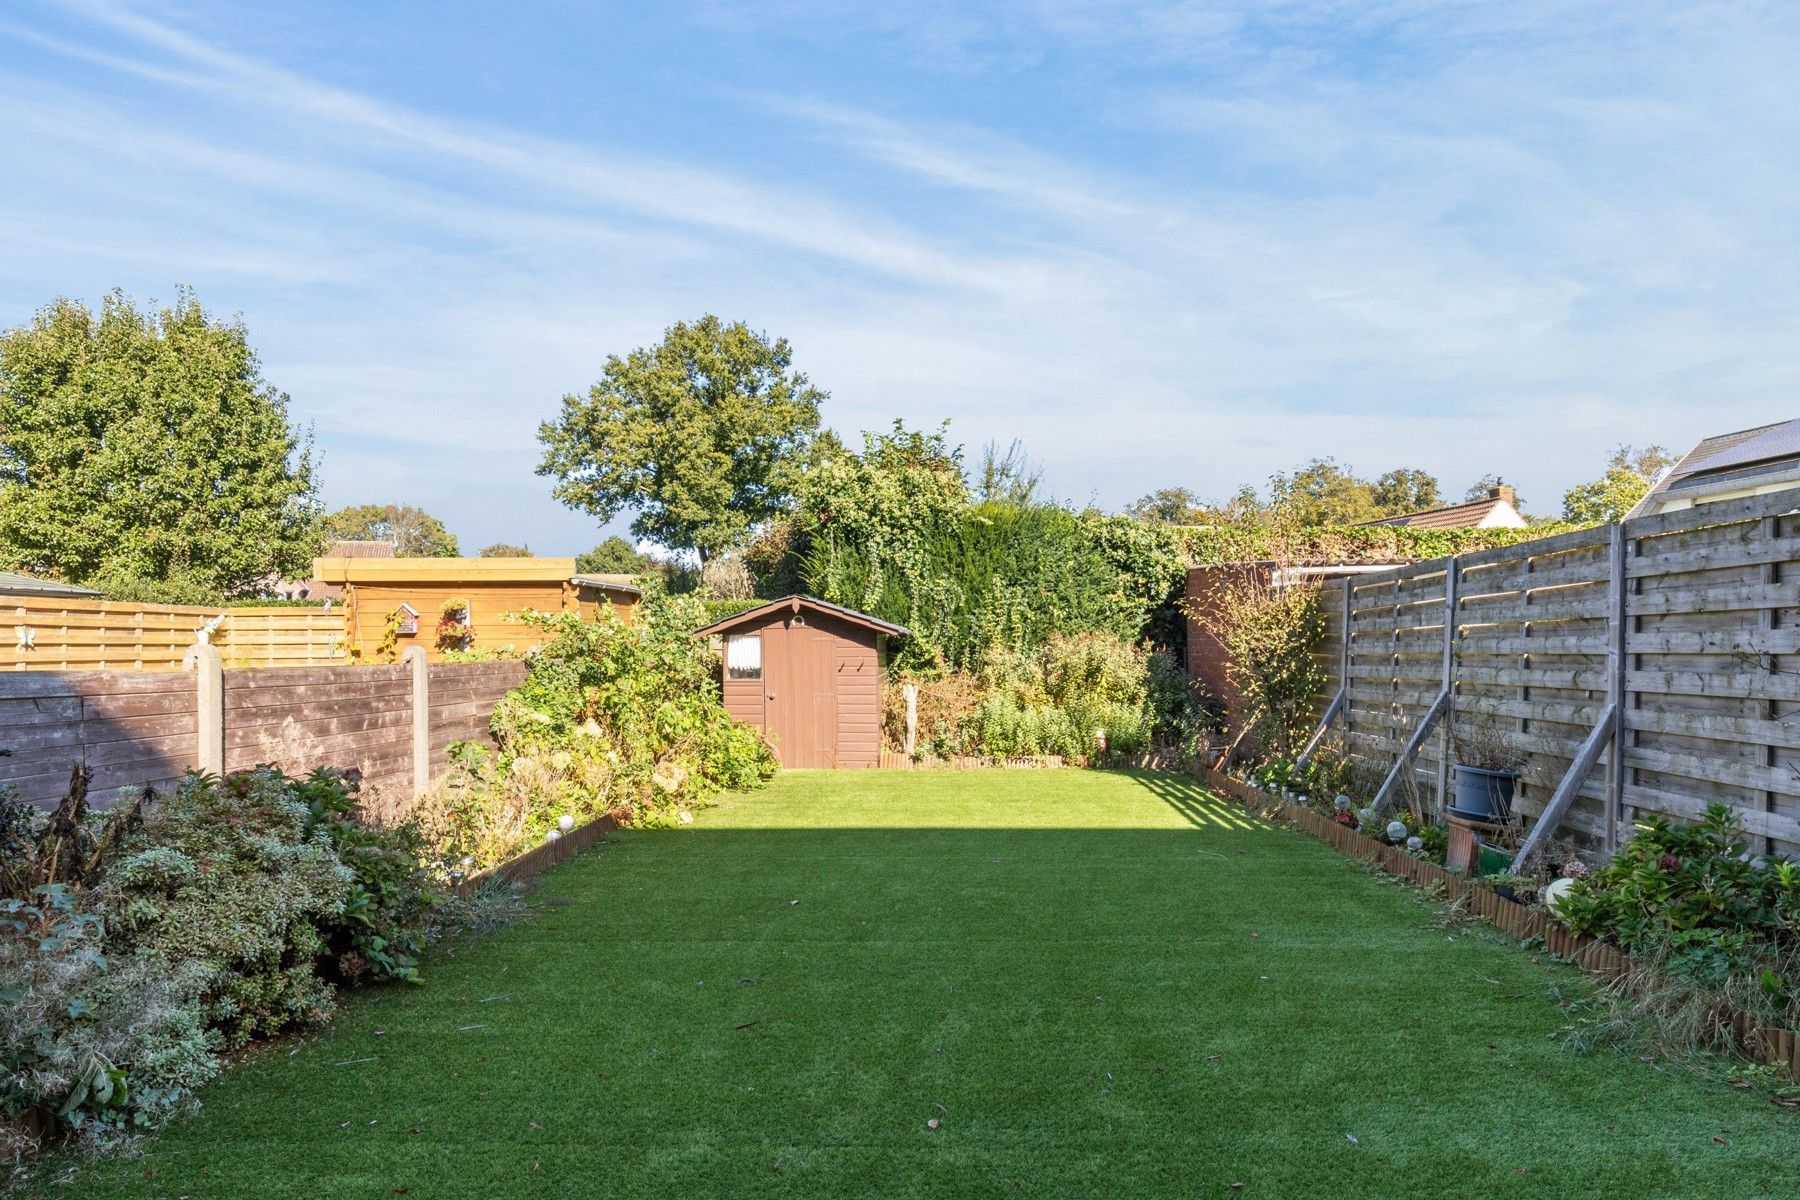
(702, 435)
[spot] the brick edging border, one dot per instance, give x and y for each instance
(1764, 1043)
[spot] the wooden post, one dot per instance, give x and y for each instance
(1615, 685)
(1449, 684)
(209, 706)
(911, 692)
(1344, 662)
(414, 658)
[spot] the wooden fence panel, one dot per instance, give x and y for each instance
(285, 637)
(1704, 610)
(47, 633)
(143, 728)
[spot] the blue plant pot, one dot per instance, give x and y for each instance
(1483, 795)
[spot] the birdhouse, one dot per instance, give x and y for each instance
(406, 620)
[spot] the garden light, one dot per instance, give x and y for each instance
(1396, 831)
(1342, 803)
(565, 822)
(552, 835)
(1415, 843)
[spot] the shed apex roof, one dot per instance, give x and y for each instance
(798, 602)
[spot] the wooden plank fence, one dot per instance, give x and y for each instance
(50, 633)
(1681, 631)
(135, 728)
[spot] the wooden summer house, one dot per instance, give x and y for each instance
(411, 593)
(809, 675)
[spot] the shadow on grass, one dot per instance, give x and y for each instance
(1197, 805)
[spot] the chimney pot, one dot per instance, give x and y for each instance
(1504, 492)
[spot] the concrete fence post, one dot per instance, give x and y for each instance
(209, 706)
(414, 659)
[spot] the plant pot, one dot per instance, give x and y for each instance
(1483, 795)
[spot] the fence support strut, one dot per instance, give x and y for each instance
(1331, 712)
(1585, 758)
(1437, 709)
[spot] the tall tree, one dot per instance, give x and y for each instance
(505, 550)
(1008, 476)
(614, 556)
(414, 532)
(144, 454)
(1405, 490)
(1168, 506)
(1322, 492)
(1630, 472)
(702, 435)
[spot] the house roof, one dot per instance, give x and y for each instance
(612, 583)
(1469, 515)
(796, 603)
(443, 570)
(1747, 458)
(360, 549)
(13, 583)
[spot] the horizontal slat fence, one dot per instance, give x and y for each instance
(138, 728)
(49, 633)
(1689, 620)
(284, 637)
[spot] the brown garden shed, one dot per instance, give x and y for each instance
(808, 674)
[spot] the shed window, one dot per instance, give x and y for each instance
(743, 656)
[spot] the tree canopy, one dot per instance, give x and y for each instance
(614, 556)
(414, 532)
(1630, 473)
(1325, 492)
(505, 550)
(142, 453)
(702, 435)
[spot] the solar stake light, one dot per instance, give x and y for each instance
(1342, 803)
(1396, 831)
(552, 835)
(565, 822)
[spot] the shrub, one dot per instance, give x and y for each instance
(613, 717)
(1692, 898)
(225, 872)
(1269, 631)
(90, 1043)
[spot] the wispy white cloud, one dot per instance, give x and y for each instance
(1394, 232)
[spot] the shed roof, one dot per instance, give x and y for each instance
(13, 583)
(443, 570)
(796, 603)
(612, 583)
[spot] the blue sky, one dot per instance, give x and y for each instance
(1161, 243)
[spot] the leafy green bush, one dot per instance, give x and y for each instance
(91, 1043)
(613, 717)
(1693, 896)
(231, 874)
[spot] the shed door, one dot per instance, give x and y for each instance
(800, 677)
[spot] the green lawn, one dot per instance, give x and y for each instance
(1099, 984)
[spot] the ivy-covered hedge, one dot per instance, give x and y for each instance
(1348, 544)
